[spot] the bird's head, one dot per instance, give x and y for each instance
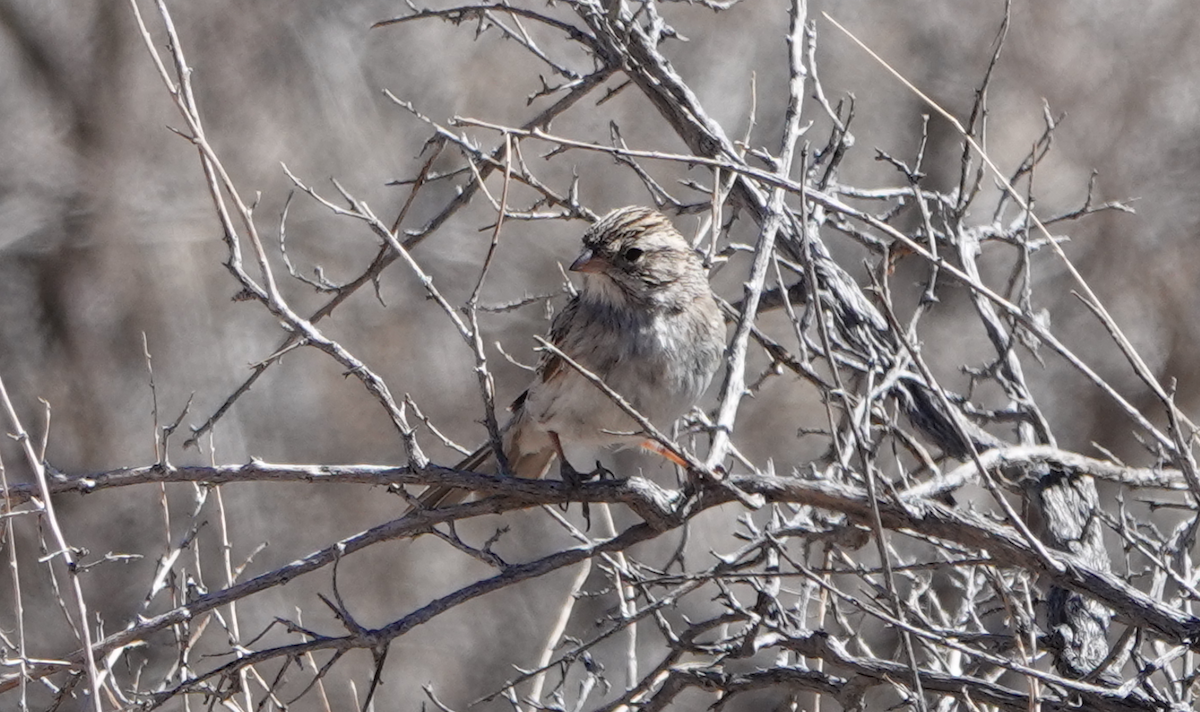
(635, 255)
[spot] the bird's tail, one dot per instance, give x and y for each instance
(522, 464)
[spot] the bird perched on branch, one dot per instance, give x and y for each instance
(645, 322)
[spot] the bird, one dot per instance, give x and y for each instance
(645, 321)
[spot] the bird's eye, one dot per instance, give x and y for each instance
(632, 254)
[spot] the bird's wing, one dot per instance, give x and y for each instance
(550, 367)
(528, 454)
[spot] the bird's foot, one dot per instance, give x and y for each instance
(574, 477)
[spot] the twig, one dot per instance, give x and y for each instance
(63, 551)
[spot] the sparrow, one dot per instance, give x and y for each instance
(645, 321)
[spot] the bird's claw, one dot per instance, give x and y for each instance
(574, 477)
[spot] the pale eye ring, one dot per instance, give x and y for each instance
(632, 254)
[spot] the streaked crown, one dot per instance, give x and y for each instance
(626, 224)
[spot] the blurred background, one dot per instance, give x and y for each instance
(107, 233)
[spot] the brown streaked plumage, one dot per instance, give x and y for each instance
(645, 321)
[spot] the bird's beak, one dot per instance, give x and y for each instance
(588, 261)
